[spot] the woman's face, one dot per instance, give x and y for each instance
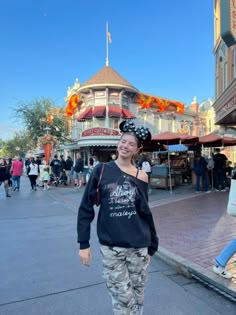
(2, 162)
(127, 146)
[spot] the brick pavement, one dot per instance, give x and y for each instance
(196, 227)
(193, 229)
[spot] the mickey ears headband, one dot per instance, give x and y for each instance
(141, 133)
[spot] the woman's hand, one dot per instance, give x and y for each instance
(85, 256)
(148, 259)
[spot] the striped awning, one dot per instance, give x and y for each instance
(99, 112)
(114, 112)
(117, 112)
(125, 113)
(87, 114)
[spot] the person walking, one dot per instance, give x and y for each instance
(200, 169)
(219, 170)
(16, 172)
(222, 259)
(68, 169)
(125, 226)
(33, 173)
(9, 164)
(45, 177)
(78, 171)
(62, 163)
(56, 169)
(4, 175)
(145, 165)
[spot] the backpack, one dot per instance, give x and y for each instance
(146, 167)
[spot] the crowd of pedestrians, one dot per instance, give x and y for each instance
(214, 172)
(59, 171)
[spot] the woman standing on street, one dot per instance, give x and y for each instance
(125, 226)
(33, 173)
(4, 175)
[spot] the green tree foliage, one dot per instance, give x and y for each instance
(19, 145)
(34, 115)
(3, 150)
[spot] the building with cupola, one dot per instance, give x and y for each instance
(107, 98)
(104, 101)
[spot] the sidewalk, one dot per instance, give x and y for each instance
(193, 229)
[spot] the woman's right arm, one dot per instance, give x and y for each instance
(86, 211)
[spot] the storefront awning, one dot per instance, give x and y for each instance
(99, 112)
(114, 111)
(87, 114)
(117, 112)
(125, 113)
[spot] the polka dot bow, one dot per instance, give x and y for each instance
(142, 133)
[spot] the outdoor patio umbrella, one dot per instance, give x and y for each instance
(213, 140)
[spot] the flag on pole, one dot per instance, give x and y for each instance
(109, 37)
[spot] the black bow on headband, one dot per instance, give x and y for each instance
(142, 133)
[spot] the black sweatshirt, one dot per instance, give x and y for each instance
(124, 218)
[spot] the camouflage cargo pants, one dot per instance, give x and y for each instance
(125, 270)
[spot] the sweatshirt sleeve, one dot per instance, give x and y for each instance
(86, 210)
(145, 212)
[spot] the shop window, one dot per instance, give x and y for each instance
(225, 73)
(234, 62)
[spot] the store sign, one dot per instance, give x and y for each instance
(230, 105)
(183, 131)
(100, 94)
(115, 94)
(100, 132)
(228, 21)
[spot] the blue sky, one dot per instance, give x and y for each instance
(161, 47)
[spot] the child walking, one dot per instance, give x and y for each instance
(45, 178)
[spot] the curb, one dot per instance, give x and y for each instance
(191, 270)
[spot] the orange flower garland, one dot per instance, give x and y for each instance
(72, 104)
(147, 101)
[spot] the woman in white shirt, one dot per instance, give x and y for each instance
(33, 173)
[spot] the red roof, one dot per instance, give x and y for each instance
(99, 111)
(107, 76)
(87, 114)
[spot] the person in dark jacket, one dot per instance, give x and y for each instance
(219, 170)
(56, 169)
(63, 163)
(4, 175)
(125, 226)
(69, 169)
(78, 171)
(200, 169)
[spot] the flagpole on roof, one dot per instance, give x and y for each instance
(107, 60)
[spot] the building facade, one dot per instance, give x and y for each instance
(225, 62)
(107, 98)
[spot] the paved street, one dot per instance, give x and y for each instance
(40, 272)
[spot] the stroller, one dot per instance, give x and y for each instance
(63, 178)
(52, 179)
